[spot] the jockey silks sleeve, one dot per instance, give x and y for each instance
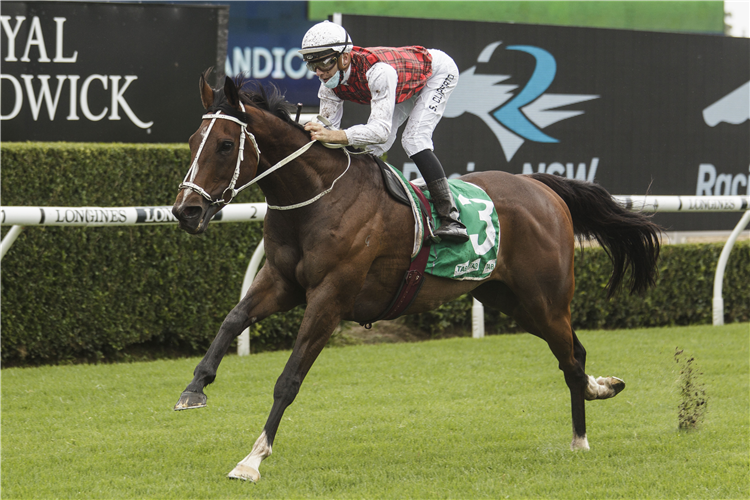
(382, 80)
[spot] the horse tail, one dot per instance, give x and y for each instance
(630, 239)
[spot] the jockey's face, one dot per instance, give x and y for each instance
(341, 63)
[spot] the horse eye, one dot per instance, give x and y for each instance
(226, 147)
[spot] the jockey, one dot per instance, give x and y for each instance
(398, 83)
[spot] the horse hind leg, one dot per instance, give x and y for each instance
(572, 361)
(600, 388)
(571, 357)
(535, 317)
(596, 388)
(556, 330)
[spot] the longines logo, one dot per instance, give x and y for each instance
(514, 119)
(90, 216)
(155, 215)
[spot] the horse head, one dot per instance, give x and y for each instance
(224, 155)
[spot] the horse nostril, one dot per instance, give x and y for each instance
(191, 212)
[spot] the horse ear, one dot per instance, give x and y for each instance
(207, 94)
(230, 91)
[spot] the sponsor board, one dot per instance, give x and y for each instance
(638, 112)
(263, 43)
(105, 72)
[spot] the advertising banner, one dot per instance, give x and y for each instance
(638, 112)
(264, 39)
(106, 72)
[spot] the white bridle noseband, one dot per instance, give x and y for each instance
(188, 183)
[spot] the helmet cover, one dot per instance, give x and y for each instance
(325, 39)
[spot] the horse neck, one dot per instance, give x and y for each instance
(302, 178)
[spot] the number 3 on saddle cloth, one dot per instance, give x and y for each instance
(473, 260)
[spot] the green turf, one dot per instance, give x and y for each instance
(458, 418)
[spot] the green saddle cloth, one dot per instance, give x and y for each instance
(475, 259)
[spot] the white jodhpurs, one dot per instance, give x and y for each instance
(424, 109)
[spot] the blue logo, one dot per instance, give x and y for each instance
(517, 118)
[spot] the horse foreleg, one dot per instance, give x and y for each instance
(205, 373)
(321, 318)
(263, 298)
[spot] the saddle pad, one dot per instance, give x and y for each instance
(475, 259)
(407, 191)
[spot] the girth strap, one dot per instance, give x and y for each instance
(414, 276)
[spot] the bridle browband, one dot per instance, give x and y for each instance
(188, 183)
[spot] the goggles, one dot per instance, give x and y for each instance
(323, 64)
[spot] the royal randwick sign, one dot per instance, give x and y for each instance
(105, 72)
(638, 112)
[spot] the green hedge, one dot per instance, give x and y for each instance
(683, 294)
(71, 293)
(104, 294)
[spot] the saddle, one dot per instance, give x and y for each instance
(395, 188)
(473, 260)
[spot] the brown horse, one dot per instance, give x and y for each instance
(343, 249)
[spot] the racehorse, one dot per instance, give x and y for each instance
(336, 241)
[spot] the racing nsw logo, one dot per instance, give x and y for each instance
(514, 118)
(732, 109)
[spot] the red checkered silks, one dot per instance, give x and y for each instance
(413, 65)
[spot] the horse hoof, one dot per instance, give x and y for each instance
(189, 400)
(244, 472)
(614, 384)
(580, 443)
(618, 385)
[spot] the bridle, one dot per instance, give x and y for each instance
(193, 171)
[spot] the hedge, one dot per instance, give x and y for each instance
(111, 293)
(683, 294)
(71, 293)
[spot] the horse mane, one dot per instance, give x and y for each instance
(267, 97)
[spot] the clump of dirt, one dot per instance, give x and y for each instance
(385, 332)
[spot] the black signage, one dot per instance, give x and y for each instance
(106, 72)
(639, 112)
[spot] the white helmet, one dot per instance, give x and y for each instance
(325, 39)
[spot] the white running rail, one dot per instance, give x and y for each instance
(695, 204)
(18, 217)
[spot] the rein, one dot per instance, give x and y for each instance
(188, 183)
(315, 198)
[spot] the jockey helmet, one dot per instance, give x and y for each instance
(325, 40)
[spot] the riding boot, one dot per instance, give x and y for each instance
(451, 228)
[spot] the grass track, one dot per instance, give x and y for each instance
(459, 418)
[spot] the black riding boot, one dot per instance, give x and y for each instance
(451, 228)
(433, 174)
